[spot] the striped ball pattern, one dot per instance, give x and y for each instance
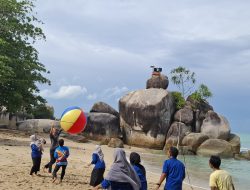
(73, 120)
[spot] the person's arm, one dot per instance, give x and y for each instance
(163, 176)
(104, 185)
(213, 188)
(55, 154)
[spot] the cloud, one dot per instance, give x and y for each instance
(115, 91)
(64, 92)
(92, 96)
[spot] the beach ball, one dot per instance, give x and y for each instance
(73, 120)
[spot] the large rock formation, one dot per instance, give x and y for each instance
(101, 107)
(216, 147)
(37, 125)
(184, 115)
(145, 117)
(101, 126)
(176, 133)
(158, 81)
(234, 140)
(194, 140)
(215, 126)
(200, 109)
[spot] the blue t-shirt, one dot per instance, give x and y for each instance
(116, 185)
(99, 164)
(175, 171)
(61, 154)
(138, 170)
(35, 151)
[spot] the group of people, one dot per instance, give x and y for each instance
(122, 174)
(58, 154)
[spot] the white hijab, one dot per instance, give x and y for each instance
(33, 139)
(98, 151)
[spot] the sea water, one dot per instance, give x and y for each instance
(198, 169)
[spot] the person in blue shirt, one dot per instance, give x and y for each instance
(99, 169)
(36, 155)
(121, 175)
(173, 170)
(61, 154)
(135, 161)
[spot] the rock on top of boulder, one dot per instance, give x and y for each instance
(102, 107)
(158, 81)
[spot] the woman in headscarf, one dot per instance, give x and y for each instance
(99, 169)
(135, 161)
(36, 155)
(121, 175)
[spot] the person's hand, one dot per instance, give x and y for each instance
(157, 186)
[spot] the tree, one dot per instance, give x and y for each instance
(184, 79)
(43, 111)
(203, 93)
(178, 99)
(20, 69)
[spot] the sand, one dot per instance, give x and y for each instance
(15, 164)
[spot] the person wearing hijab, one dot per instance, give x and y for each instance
(135, 161)
(99, 169)
(36, 155)
(121, 176)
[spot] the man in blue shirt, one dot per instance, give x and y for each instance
(173, 170)
(61, 154)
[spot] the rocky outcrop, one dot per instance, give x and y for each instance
(37, 125)
(215, 126)
(158, 81)
(184, 115)
(194, 140)
(216, 147)
(234, 140)
(102, 126)
(101, 107)
(145, 117)
(176, 133)
(115, 143)
(200, 109)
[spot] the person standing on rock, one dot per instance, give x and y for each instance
(219, 179)
(173, 170)
(54, 136)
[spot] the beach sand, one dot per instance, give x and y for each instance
(15, 164)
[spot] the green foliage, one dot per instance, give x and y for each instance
(178, 99)
(203, 93)
(20, 69)
(42, 111)
(184, 79)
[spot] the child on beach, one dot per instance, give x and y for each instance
(135, 161)
(99, 169)
(36, 155)
(61, 154)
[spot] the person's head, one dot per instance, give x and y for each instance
(173, 152)
(119, 155)
(215, 162)
(134, 158)
(61, 142)
(33, 138)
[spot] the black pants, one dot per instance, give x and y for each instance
(52, 160)
(36, 165)
(56, 170)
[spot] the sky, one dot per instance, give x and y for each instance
(99, 50)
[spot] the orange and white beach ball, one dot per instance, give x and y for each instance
(73, 120)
